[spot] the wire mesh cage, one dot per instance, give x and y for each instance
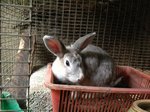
(15, 19)
(122, 27)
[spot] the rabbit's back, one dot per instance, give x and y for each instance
(94, 49)
(98, 66)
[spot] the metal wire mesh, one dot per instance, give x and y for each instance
(121, 25)
(15, 19)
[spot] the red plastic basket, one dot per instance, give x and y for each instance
(72, 98)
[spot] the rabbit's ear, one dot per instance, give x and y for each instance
(54, 45)
(82, 42)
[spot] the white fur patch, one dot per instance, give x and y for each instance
(58, 70)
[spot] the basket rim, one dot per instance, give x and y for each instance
(49, 84)
(133, 70)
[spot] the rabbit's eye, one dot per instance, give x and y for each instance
(67, 63)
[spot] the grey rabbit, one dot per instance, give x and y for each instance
(81, 63)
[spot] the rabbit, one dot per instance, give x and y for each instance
(81, 63)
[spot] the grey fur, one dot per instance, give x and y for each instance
(99, 66)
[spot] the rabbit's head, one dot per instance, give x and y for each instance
(68, 67)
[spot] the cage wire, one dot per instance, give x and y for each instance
(122, 27)
(15, 19)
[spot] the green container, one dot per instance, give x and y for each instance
(9, 103)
